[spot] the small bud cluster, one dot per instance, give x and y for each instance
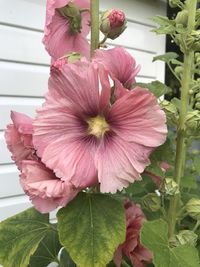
(170, 111)
(193, 208)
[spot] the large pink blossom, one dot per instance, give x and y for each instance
(85, 139)
(120, 64)
(132, 247)
(19, 138)
(58, 37)
(45, 190)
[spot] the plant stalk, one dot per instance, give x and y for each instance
(180, 159)
(94, 7)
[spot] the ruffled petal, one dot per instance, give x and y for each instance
(119, 163)
(137, 117)
(119, 63)
(45, 190)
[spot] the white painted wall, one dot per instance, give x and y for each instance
(24, 69)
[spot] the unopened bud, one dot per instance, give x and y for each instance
(192, 123)
(197, 58)
(152, 202)
(182, 18)
(193, 40)
(113, 23)
(73, 14)
(191, 92)
(178, 70)
(193, 208)
(197, 97)
(170, 187)
(170, 111)
(197, 105)
(187, 237)
(59, 63)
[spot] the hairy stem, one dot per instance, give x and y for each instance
(94, 7)
(181, 145)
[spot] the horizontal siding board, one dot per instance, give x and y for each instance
(19, 104)
(10, 185)
(22, 45)
(11, 11)
(12, 206)
(25, 46)
(23, 80)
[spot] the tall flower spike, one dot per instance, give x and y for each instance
(84, 139)
(66, 27)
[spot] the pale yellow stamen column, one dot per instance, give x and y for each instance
(97, 126)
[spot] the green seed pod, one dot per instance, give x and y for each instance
(170, 187)
(178, 70)
(192, 123)
(152, 202)
(182, 18)
(170, 111)
(193, 208)
(187, 237)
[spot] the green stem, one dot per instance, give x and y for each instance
(94, 7)
(181, 146)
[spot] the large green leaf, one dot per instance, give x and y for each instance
(91, 227)
(20, 236)
(47, 251)
(154, 237)
(65, 260)
(167, 57)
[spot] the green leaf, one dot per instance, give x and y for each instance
(189, 182)
(20, 236)
(155, 87)
(167, 57)
(91, 227)
(163, 153)
(154, 237)
(196, 163)
(166, 26)
(47, 251)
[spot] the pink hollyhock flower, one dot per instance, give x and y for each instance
(85, 139)
(120, 64)
(61, 35)
(46, 191)
(132, 247)
(19, 138)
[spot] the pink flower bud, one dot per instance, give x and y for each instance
(117, 18)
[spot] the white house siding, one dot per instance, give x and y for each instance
(24, 69)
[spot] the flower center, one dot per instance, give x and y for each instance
(97, 126)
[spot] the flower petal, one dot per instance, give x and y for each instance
(45, 190)
(119, 63)
(137, 117)
(119, 163)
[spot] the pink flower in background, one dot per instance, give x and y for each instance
(19, 138)
(46, 191)
(62, 35)
(132, 247)
(85, 140)
(120, 64)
